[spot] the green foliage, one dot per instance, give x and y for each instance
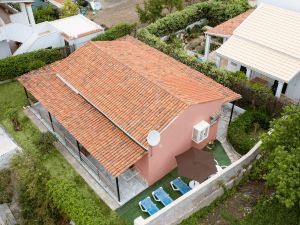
(281, 151)
(260, 88)
(69, 9)
(14, 66)
(45, 13)
(155, 9)
(31, 177)
(45, 141)
(6, 188)
(216, 11)
(116, 32)
(240, 129)
(80, 209)
(271, 212)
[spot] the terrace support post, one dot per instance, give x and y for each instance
(118, 189)
(78, 147)
(279, 89)
(207, 47)
(27, 96)
(248, 73)
(23, 10)
(231, 113)
(218, 61)
(30, 16)
(51, 121)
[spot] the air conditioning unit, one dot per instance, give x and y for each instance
(200, 131)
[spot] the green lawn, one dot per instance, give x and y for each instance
(12, 94)
(219, 153)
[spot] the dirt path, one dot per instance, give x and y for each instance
(238, 206)
(116, 11)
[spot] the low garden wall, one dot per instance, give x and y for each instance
(203, 195)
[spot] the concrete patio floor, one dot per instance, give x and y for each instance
(222, 130)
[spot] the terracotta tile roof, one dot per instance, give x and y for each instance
(226, 29)
(136, 86)
(109, 145)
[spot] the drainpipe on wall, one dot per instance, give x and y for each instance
(30, 16)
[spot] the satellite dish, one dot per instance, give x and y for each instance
(153, 138)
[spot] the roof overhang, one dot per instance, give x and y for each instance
(269, 62)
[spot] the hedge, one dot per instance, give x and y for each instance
(238, 131)
(116, 32)
(14, 66)
(216, 12)
(80, 209)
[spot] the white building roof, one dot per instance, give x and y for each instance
(286, 4)
(267, 41)
(76, 26)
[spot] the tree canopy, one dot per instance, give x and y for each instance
(155, 9)
(281, 148)
(69, 9)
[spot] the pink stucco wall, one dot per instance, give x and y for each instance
(176, 139)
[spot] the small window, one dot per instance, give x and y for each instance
(200, 131)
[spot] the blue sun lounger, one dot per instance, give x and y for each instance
(179, 185)
(148, 206)
(161, 196)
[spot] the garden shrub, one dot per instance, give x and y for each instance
(32, 176)
(45, 141)
(240, 129)
(14, 66)
(80, 209)
(45, 13)
(116, 32)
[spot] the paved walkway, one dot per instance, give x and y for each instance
(76, 165)
(222, 133)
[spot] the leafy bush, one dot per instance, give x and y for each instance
(240, 129)
(81, 210)
(14, 66)
(69, 9)
(116, 32)
(6, 188)
(45, 13)
(152, 10)
(31, 177)
(45, 141)
(281, 151)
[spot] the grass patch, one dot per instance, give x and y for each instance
(219, 153)
(12, 94)
(268, 212)
(131, 209)
(6, 188)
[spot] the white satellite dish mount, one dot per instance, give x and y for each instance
(153, 138)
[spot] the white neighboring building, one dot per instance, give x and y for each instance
(21, 34)
(267, 47)
(286, 4)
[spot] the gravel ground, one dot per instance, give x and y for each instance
(116, 11)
